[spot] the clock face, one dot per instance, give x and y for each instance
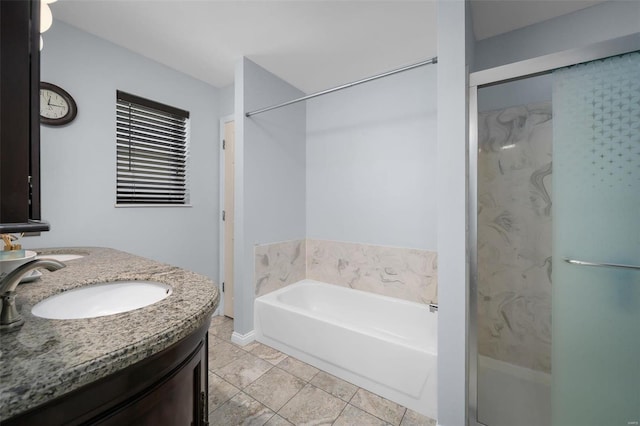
(57, 107)
(52, 105)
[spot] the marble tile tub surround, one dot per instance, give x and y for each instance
(278, 265)
(409, 274)
(404, 273)
(514, 235)
(258, 385)
(48, 358)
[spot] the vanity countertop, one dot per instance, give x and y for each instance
(47, 358)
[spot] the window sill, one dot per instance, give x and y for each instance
(151, 205)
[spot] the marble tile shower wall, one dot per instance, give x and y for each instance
(279, 264)
(409, 274)
(514, 235)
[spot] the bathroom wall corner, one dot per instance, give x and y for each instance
(270, 175)
(453, 266)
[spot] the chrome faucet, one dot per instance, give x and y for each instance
(9, 316)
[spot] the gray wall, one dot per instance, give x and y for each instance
(227, 100)
(371, 162)
(530, 90)
(270, 176)
(454, 54)
(78, 161)
(604, 21)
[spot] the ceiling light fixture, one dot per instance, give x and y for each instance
(46, 18)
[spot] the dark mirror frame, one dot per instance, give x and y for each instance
(20, 117)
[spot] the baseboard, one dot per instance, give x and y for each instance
(243, 339)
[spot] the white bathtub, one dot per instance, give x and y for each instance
(382, 344)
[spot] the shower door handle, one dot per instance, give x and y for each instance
(606, 265)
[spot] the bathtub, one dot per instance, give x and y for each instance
(385, 345)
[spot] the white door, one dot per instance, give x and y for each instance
(229, 169)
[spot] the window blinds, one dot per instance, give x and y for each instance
(152, 142)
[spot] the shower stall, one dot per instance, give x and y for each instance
(554, 188)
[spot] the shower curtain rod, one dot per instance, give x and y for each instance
(433, 60)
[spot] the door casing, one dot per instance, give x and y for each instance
(226, 215)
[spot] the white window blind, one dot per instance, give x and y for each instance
(152, 142)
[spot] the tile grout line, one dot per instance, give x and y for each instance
(223, 366)
(271, 366)
(306, 382)
(403, 415)
(259, 402)
(228, 399)
(241, 390)
(354, 394)
(374, 415)
(289, 400)
(342, 411)
(211, 371)
(274, 414)
(256, 379)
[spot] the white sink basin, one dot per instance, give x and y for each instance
(61, 257)
(103, 299)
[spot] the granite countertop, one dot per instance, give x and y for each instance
(47, 358)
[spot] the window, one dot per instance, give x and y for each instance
(152, 142)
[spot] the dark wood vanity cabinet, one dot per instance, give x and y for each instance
(168, 388)
(20, 117)
(180, 399)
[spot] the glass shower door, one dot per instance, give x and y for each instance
(514, 250)
(596, 243)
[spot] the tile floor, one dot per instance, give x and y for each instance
(258, 385)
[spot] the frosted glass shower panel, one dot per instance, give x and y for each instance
(514, 256)
(596, 198)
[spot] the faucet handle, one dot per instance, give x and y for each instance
(9, 317)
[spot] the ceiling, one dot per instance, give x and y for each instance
(493, 17)
(311, 44)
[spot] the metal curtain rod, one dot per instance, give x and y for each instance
(433, 60)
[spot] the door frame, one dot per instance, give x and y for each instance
(221, 186)
(502, 74)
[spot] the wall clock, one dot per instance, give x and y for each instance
(57, 107)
